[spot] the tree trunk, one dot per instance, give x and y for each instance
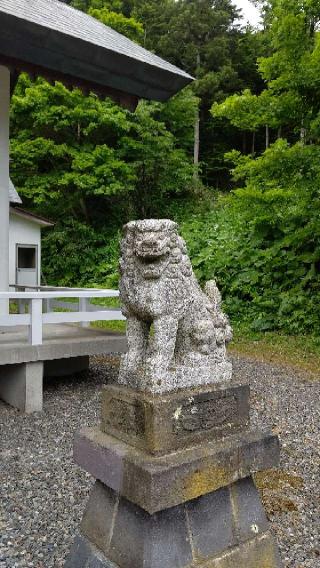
(196, 145)
(84, 209)
(196, 148)
(244, 142)
(303, 134)
(267, 137)
(253, 149)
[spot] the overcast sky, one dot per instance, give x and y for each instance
(249, 12)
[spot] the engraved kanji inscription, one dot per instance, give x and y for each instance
(205, 414)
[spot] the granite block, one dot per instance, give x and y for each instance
(79, 553)
(212, 531)
(134, 538)
(250, 518)
(84, 555)
(98, 519)
(260, 552)
(253, 454)
(163, 423)
(157, 483)
(211, 523)
(171, 545)
(150, 541)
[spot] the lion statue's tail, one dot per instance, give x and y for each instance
(212, 291)
(221, 320)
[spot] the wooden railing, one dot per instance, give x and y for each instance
(41, 303)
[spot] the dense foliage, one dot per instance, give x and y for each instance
(90, 165)
(274, 265)
(204, 38)
(263, 242)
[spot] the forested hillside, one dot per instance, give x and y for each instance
(234, 158)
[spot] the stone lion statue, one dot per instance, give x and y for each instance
(177, 334)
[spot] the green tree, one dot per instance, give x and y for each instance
(90, 165)
(160, 165)
(63, 148)
(125, 26)
(85, 162)
(204, 38)
(196, 36)
(269, 257)
(290, 104)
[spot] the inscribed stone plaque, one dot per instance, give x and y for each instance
(206, 414)
(163, 423)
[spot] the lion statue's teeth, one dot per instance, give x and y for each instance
(177, 334)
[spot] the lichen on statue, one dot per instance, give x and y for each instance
(177, 334)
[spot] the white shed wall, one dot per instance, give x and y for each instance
(23, 232)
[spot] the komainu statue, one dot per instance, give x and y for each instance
(177, 334)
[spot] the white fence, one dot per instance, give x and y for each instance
(37, 316)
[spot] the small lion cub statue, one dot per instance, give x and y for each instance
(177, 334)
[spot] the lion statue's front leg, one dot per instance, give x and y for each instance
(137, 338)
(149, 355)
(161, 348)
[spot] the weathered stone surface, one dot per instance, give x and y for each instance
(98, 519)
(162, 423)
(204, 533)
(155, 483)
(174, 456)
(261, 552)
(151, 541)
(80, 552)
(130, 537)
(84, 555)
(159, 289)
(248, 509)
(211, 523)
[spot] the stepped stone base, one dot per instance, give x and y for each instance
(157, 483)
(174, 482)
(223, 529)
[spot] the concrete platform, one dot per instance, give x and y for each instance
(59, 341)
(65, 350)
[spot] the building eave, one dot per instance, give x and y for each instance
(32, 217)
(54, 40)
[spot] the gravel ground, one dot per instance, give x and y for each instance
(43, 493)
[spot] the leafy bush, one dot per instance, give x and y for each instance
(262, 243)
(76, 254)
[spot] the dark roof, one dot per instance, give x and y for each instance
(61, 42)
(38, 219)
(15, 199)
(13, 194)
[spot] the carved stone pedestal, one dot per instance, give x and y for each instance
(223, 529)
(174, 486)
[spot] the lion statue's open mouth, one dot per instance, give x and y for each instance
(152, 266)
(152, 250)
